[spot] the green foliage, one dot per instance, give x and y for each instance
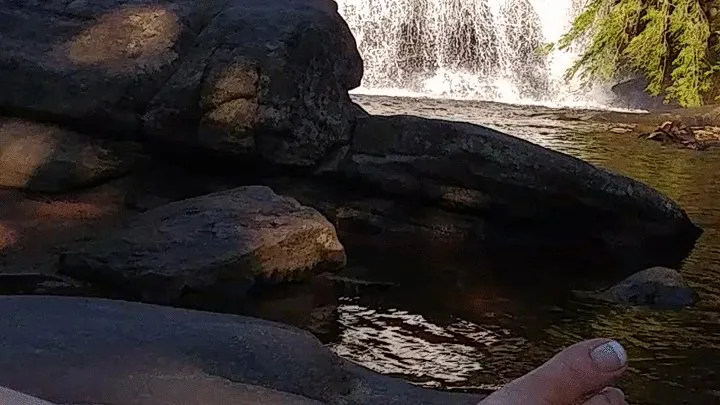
(669, 41)
(545, 49)
(652, 60)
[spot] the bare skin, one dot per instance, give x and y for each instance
(579, 375)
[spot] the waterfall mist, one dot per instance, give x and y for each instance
(469, 49)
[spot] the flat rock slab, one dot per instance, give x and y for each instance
(47, 158)
(231, 239)
(95, 351)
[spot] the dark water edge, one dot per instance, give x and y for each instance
(474, 334)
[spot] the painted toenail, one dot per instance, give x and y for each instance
(609, 356)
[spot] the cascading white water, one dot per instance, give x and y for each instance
(468, 49)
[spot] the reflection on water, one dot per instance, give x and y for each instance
(438, 335)
(397, 342)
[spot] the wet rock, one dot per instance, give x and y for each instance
(498, 189)
(622, 129)
(656, 286)
(707, 133)
(224, 242)
(47, 158)
(631, 94)
(252, 79)
(672, 131)
(677, 133)
(126, 352)
(323, 320)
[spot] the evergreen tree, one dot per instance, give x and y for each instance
(673, 43)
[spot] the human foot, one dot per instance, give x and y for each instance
(579, 375)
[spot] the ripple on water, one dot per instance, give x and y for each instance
(394, 341)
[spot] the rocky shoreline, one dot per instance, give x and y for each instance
(181, 356)
(692, 128)
(165, 152)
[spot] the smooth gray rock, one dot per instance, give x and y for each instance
(96, 351)
(512, 191)
(47, 158)
(656, 286)
(228, 240)
(250, 78)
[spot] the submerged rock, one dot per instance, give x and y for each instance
(92, 351)
(226, 241)
(47, 158)
(498, 189)
(656, 286)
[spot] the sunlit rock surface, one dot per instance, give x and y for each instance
(227, 240)
(47, 158)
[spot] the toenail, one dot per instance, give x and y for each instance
(609, 356)
(613, 396)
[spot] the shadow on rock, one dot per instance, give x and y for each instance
(224, 242)
(148, 355)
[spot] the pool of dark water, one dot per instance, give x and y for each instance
(474, 335)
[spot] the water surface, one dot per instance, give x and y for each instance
(475, 335)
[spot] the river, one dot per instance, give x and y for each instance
(479, 335)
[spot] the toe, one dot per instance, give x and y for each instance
(575, 373)
(608, 396)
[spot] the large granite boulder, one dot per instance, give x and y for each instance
(95, 351)
(506, 191)
(252, 78)
(47, 158)
(226, 242)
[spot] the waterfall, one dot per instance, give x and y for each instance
(468, 49)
